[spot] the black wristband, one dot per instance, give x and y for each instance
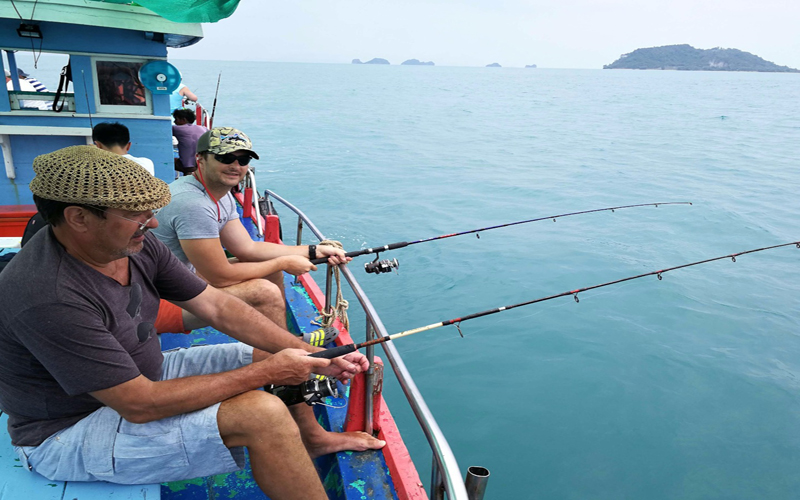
(312, 252)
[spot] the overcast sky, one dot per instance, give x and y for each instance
(551, 34)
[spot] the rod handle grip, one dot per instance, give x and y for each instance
(357, 253)
(335, 352)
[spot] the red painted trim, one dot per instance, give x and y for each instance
(240, 198)
(14, 218)
(247, 204)
(272, 229)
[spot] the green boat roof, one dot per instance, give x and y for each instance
(108, 14)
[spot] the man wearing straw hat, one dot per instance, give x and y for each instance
(88, 392)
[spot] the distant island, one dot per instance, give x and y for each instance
(376, 60)
(416, 62)
(494, 65)
(530, 65)
(685, 57)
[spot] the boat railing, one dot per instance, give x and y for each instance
(445, 474)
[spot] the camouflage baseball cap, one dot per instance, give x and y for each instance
(221, 140)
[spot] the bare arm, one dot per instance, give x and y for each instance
(232, 316)
(141, 400)
(236, 239)
(208, 257)
(185, 92)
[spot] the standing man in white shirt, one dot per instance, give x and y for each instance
(116, 138)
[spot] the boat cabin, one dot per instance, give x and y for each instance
(103, 47)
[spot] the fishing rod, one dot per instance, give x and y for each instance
(214, 106)
(384, 266)
(348, 348)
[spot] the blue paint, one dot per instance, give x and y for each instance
(18, 482)
(149, 138)
(82, 84)
(78, 38)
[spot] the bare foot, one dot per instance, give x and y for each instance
(331, 442)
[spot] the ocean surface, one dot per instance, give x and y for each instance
(681, 388)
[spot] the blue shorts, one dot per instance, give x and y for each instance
(105, 447)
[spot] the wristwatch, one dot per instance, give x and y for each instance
(312, 252)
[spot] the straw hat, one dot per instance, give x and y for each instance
(91, 176)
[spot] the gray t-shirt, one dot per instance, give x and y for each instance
(192, 215)
(67, 330)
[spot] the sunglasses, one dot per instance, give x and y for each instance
(229, 158)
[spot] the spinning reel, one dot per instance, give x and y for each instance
(311, 392)
(381, 266)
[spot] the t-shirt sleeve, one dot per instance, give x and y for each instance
(75, 347)
(173, 280)
(192, 219)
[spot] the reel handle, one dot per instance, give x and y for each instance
(335, 352)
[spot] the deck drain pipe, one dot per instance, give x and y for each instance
(477, 478)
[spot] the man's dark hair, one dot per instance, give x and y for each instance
(185, 114)
(111, 134)
(53, 211)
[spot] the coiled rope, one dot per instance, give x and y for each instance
(339, 309)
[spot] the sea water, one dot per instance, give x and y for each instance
(685, 387)
(681, 388)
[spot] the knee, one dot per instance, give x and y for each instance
(261, 291)
(253, 413)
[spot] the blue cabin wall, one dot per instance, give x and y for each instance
(58, 37)
(151, 134)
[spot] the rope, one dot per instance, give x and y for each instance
(339, 309)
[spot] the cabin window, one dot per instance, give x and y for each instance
(118, 88)
(119, 85)
(37, 80)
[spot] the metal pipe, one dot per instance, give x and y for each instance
(369, 386)
(328, 289)
(437, 487)
(477, 478)
(299, 230)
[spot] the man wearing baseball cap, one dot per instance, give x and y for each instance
(89, 394)
(201, 222)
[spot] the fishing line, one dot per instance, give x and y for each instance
(345, 349)
(383, 266)
(86, 94)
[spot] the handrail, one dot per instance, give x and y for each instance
(251, 178)
(443, 455)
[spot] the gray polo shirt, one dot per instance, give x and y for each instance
(192, 215)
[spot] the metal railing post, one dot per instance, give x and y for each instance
(437, 486)
(328, 289)
(299, 231)
(369, 378)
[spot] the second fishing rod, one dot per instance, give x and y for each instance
(384, 266)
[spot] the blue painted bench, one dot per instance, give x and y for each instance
(18, 483)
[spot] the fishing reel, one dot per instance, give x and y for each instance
(311, 392)
(381, 266)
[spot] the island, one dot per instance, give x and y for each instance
(687, 58)
(376, 60)
(530, 65)
(416, 62)
(494, 65)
